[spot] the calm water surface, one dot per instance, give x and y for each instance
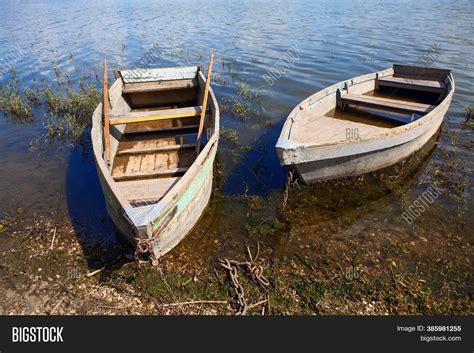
(336, 41)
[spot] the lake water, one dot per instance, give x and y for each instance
(325, 223)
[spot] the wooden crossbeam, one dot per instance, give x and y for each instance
(414, 72)
(154, 174)
(161, 130)
(414, 84)
(159, 86)
(139, 117)
(384, 103)
(169, 148)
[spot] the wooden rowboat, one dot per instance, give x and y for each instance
(365, 123)
(154, 150)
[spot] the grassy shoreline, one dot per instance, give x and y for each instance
(38, 278)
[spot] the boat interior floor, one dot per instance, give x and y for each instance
(314, 127)
(396, 101)
(152, 156)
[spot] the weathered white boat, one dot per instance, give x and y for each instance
(156, 162)
(365, 123)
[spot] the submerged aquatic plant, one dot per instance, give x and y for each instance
(470, 116)
(236, 107)
(246, 92)
(218, 79)
(229, 135)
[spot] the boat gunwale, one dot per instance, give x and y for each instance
(97, 132)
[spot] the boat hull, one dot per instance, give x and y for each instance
(185, 213)
(163, 224)
(359, 164)
(316, 161)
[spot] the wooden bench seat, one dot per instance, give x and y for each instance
(146, 191)
(143, 87)
(148, 175)
(177, 129)
(385, 103)
(146, 150)
(138, 117)
(412, 83)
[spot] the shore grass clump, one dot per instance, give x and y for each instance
(13, 103)
(64, 111)
(18, 107)
(70, 112)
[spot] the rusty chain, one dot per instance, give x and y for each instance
(143, 249)
(286, 192)
(254, 271)
(232, 270)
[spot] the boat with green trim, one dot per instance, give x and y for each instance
(154, 149)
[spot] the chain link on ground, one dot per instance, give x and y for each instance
(251, 269)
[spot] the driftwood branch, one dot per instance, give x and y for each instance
(197, 302)
(54, 237)
(93, 273)
(57, 305)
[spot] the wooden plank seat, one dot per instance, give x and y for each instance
(422, 73)
(148, 175)
(143, 87)
(146, 191)
(156, 139)
(176, 129)
(138, 117)
(146, 150)
(412, 83)
(385, 103)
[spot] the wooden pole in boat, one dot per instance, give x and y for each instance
(106, 115)
(204, 105)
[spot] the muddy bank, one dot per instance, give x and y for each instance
(43, 270)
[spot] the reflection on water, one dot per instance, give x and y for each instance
(247, 38)
(311, 209)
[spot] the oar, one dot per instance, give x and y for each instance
(106, 116)
(204, 105)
